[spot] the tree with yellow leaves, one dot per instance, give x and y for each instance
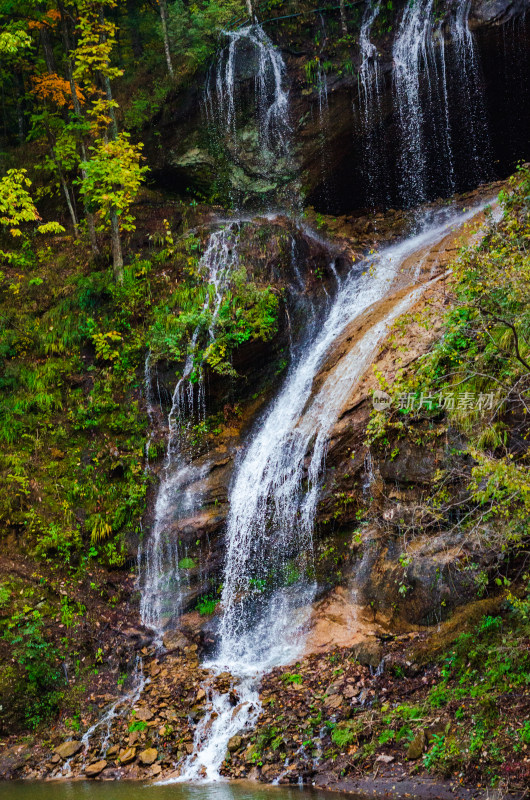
(17, 207)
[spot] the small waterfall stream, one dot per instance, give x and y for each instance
(255, 135)
(159, 562)
(413, 58)
(469, 87)
(370, 88)
(424, 99)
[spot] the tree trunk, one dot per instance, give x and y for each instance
(117, 255)
(250, 9)
(47, 49)
(134, 30)
(165, 34)
(20, 107)
(108, 91)
(64, 184)
(343, 19)
(66, 191)
(91, 225)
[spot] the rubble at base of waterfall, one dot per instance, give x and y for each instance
(342, 714)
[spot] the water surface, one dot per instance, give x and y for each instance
(111, 790)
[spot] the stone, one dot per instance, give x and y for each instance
(384, 759)
(148, 757)
(127, 755)
(68, 749)
(144, 714)
(234, 743)
(175, 640)
(333, 702)
(415, 748)
(94, 769)
(201, 695)
(438, 728)
(368, 653)
(155, 770)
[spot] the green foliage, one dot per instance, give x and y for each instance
(187, 563)
(12, 42)
(247, 312)
(345, 733)
(17, 208)
(206, 605)
(137, 725)
(39, 660)
(5, 594)
(483, 355)
(112, 177)
(194, 29)
(443, 756)
(292, 677)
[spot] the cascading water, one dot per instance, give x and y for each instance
(468, 86)
(370, 88)
(160, 577)
(413, 56)
(267, 583)
(119, 708)
(259, 147)
(430, 87)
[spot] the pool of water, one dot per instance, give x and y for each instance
(110, 790)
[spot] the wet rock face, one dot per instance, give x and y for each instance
(496, 12)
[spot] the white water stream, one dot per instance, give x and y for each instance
(264, 144)
(160, 576)
(424, 94)
(370, 89)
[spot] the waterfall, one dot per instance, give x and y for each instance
(268, 581)
(427, 94)
(370, 87)
(160, 576)
(413, 55)
(177, 498)
(259, 151)
(468, 87)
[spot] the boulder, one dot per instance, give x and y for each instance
(175, 640)
(234, 743)
(415, 748)
(144, 714)
(68, 749)
(94, 769)
(127, 755)
(368, 653)
(148, 757)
